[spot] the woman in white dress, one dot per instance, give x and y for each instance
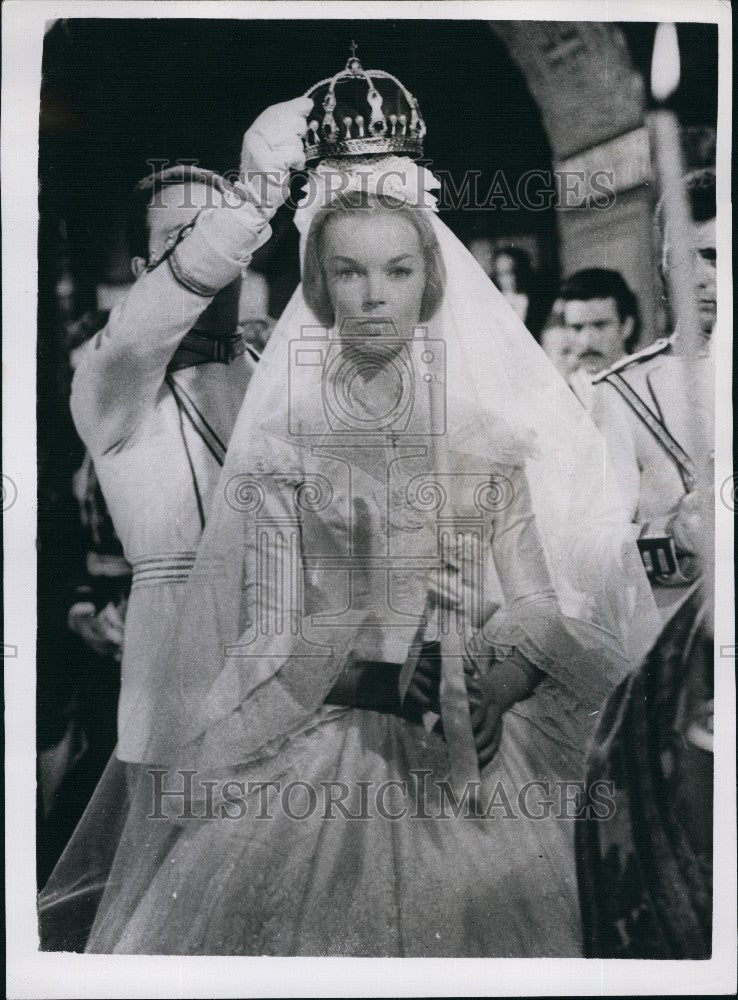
(411, 571)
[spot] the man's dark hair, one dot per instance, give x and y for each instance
(144, 194)
(700, 189)
(602, 283)
(701, 194)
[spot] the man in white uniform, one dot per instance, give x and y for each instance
(639, 405)
(156, 395)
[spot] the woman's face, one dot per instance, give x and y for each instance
(375, 274)
(504, 274)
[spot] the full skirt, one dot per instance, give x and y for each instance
(344, 842)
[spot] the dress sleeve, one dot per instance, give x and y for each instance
(571, 652)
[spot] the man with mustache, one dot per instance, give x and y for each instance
(601, 320)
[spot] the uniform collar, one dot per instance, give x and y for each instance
(200, 348)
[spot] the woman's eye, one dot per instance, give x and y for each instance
(346, 272)
(400, 272)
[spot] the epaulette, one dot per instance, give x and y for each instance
(657, 347)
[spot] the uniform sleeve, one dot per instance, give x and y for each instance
(612, 416)
(123, 368)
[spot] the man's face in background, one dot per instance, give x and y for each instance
(254, 322)
(705, 270)
(597, 334)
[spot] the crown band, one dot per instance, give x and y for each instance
(364, 147)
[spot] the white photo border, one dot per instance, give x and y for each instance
(32, 973)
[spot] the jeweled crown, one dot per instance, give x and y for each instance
(359, 112)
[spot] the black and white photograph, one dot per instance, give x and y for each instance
(368, 499)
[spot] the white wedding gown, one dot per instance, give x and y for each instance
(248, 695)
(501, 885)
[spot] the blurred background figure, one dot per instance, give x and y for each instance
(512, 272)
(515, 276)
(97, 615)
(557, 342)
(511, 269)
(254, 322)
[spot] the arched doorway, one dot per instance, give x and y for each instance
(592, 103)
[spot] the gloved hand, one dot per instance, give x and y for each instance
(491, 692)
(223, 240)
(271, 148)
(689, 524)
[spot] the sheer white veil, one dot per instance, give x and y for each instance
(260, 643)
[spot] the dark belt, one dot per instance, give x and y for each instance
(374, 684)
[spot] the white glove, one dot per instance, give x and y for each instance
(271, 148)
(688, 525)
(223, 240)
